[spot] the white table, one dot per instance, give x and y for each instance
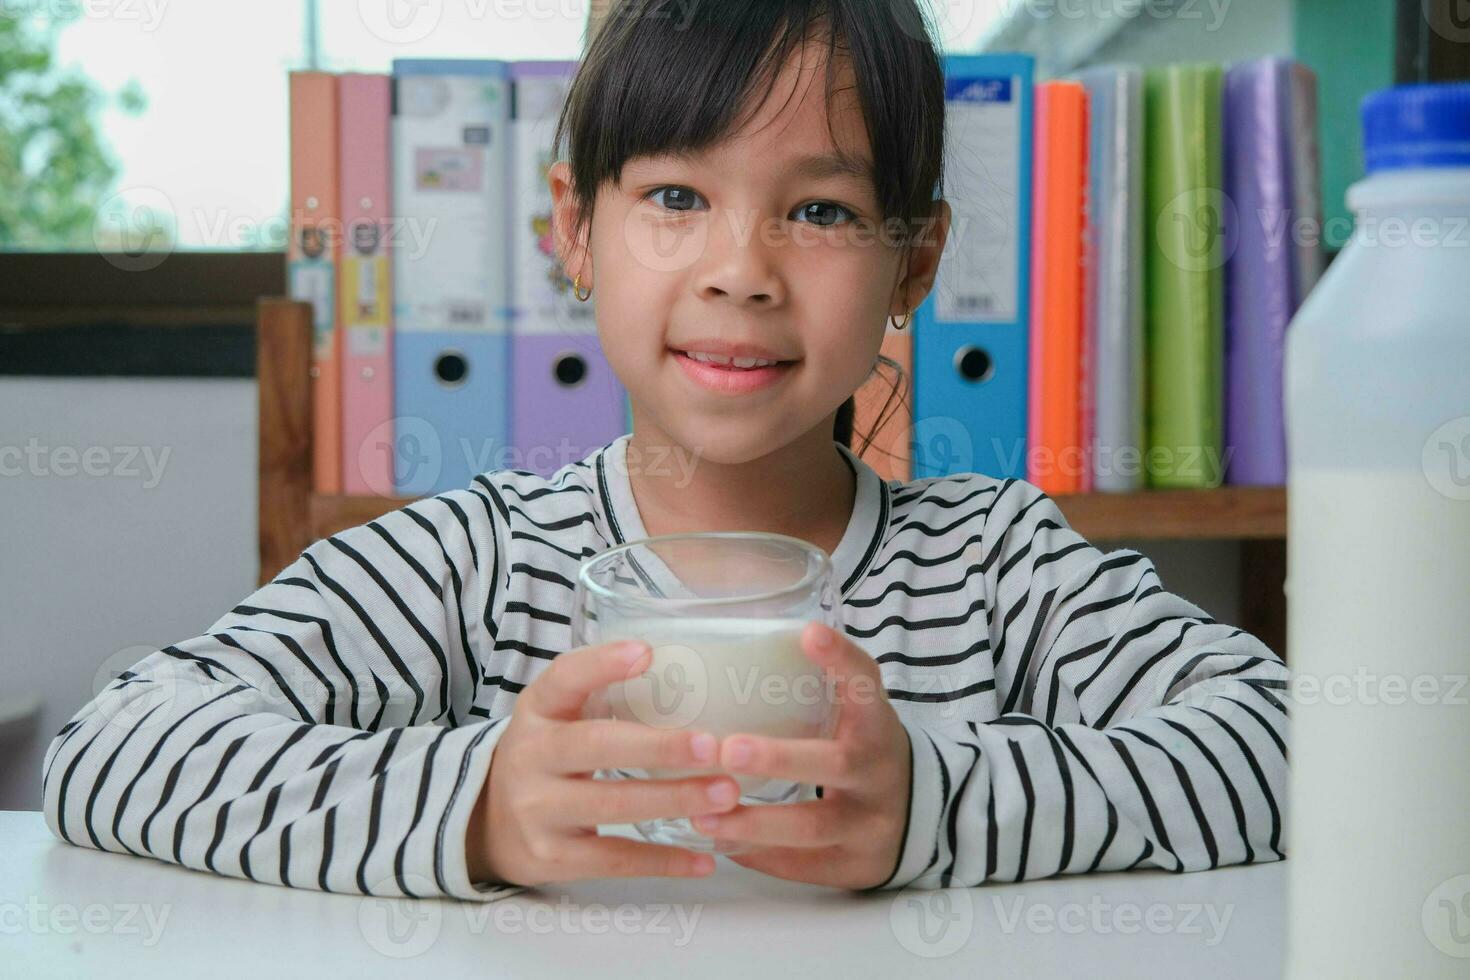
(71, 911)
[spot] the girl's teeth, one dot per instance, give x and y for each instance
(743, 363)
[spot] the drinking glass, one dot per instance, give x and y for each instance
(723, 612)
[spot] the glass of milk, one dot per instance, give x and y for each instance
(723, 612)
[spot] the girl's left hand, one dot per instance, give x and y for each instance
(850, 838)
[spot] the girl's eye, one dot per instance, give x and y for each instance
(820, 212)
(677, 199)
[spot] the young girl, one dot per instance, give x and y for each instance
(398, 712)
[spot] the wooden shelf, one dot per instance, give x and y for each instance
(1239, 513)
(331, 513)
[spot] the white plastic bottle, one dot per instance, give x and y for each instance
(1378, 564)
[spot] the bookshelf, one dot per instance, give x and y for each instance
(292, 515)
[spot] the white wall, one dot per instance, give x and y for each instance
(1205, 30)
(96, 571)
(117, 564)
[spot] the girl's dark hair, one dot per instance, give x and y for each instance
(661, 76)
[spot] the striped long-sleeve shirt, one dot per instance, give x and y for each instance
(1064, 712)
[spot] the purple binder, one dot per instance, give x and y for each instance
(1263, 109)
(565, 399)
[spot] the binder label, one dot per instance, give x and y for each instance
(979, 276)
(449, 169)
(310, 280)
(365, 303)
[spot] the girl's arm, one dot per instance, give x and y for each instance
(320, 734)
(1134, 729)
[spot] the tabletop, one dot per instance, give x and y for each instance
(73, 911)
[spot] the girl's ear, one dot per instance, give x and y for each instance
(926, 247)
(571, 247)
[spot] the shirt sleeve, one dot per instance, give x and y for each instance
(321, 733)
(1134, 730)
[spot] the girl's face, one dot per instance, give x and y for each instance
(757, 241)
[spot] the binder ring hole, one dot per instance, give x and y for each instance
(974, 364)
(451, 367)
(569, 369)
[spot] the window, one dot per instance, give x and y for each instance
(161, 125)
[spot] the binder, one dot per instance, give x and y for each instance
(971, 334)
(1259, 272)
(1058, 459)
(364, 296)
(451, 161)
(1271, 175)
(876, 406)
(1114, 245)
(565, 399)
(1187, 246)
(311, 258)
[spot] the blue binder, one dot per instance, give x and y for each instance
(451, 123)
(971, 334)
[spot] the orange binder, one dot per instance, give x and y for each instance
(889, 452)
(1058, 461)
(311, 258)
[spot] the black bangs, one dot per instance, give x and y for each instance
(665, 76)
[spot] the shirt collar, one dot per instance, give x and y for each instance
(850, 561)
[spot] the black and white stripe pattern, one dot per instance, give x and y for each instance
(1095, 722)
(334, 729)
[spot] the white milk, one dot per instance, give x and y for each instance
(725, 675)
(1380, 722)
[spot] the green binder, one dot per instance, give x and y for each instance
(1185, 233)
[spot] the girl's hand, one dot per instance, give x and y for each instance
(850, 838)
(537, 815)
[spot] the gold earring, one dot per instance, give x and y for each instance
(899, 326)
(577, 289)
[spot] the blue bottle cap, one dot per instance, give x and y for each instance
(1417, 126)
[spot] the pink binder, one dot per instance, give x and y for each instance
(364, 297)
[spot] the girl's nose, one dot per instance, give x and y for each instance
(742, 262)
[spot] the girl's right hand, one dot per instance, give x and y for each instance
(537, 815)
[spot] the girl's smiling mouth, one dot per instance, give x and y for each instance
(732, 369)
